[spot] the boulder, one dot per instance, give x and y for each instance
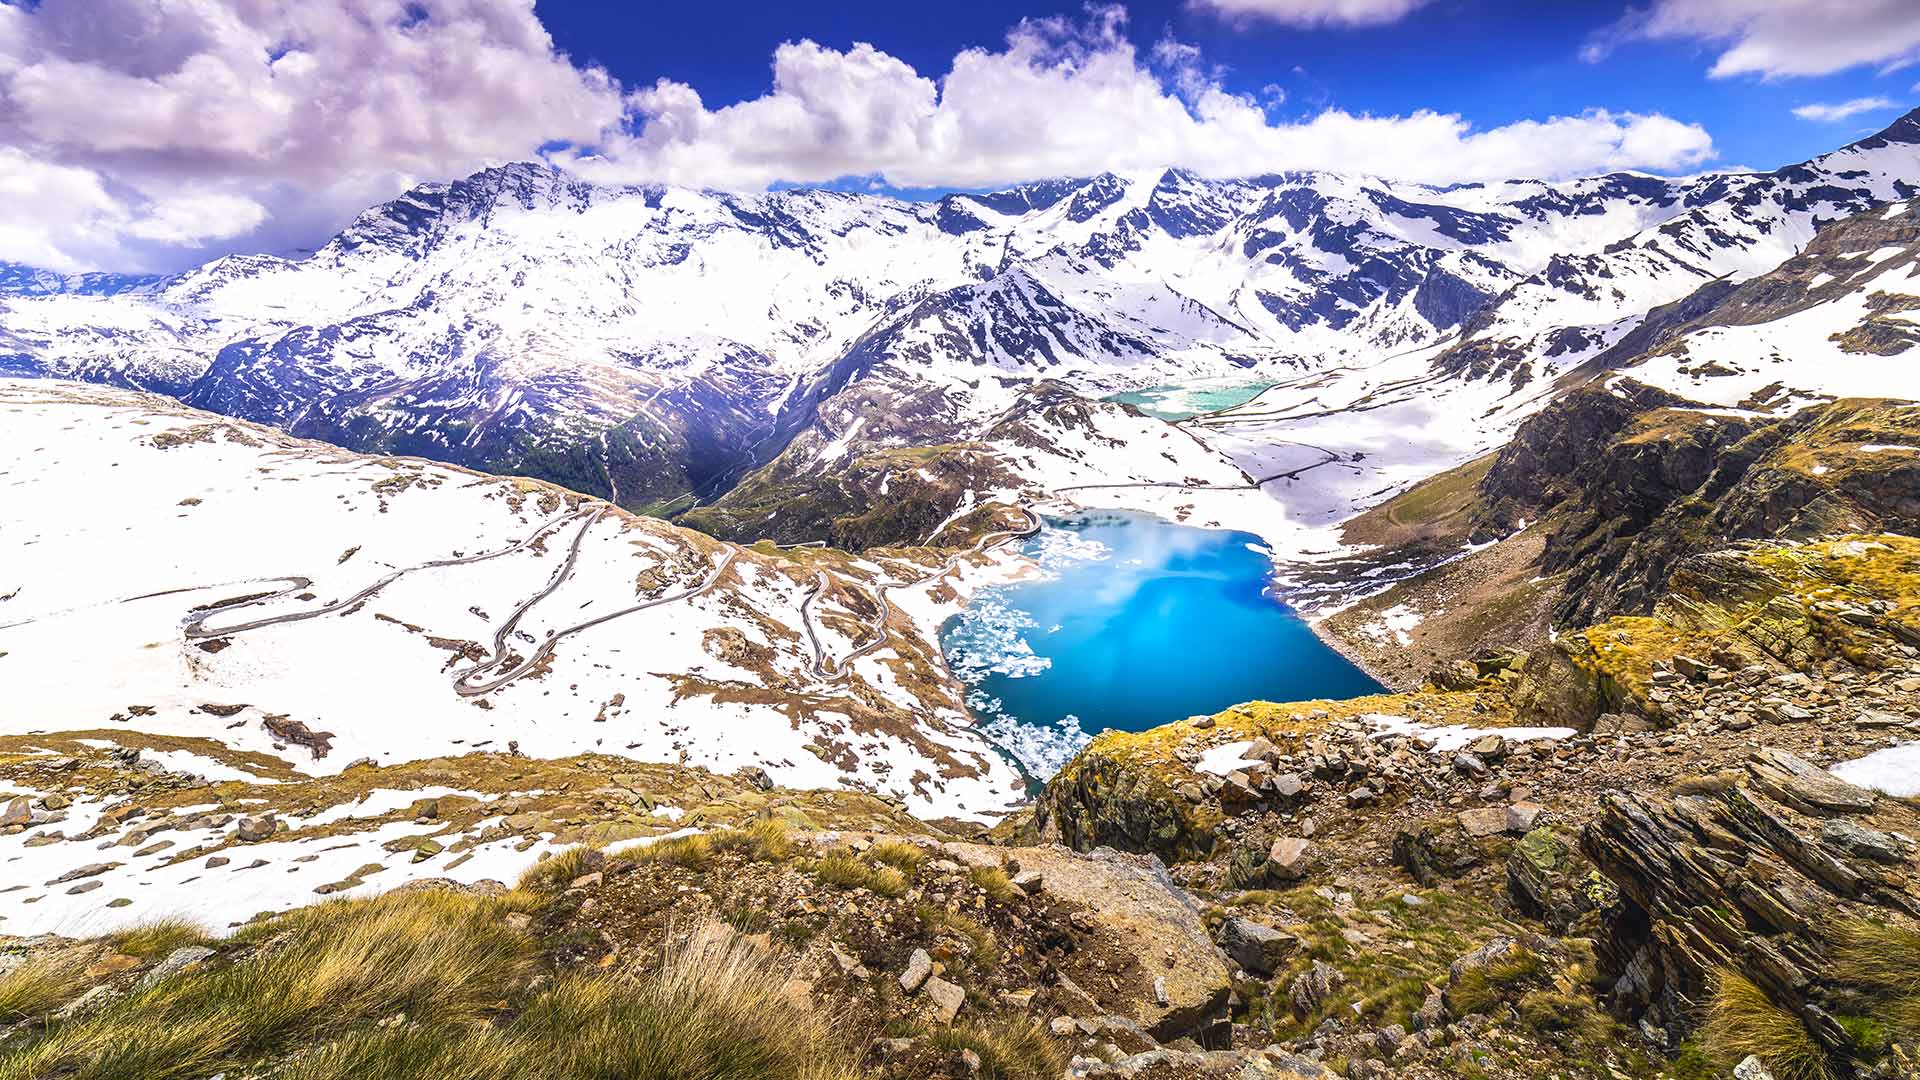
(1804, 786)
(1255, 946)
(1484, 821)
(919, 970)
(1139, 909)
(1290, 858)
(945, 999)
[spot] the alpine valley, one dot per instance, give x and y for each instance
(623, 542)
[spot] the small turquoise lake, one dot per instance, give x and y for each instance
(1132, 622)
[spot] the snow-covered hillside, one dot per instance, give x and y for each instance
(647, 343)
(175, 573)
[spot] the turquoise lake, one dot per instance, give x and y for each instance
(1191, 399)
(1133, 622)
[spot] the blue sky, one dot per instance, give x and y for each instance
(154, 134)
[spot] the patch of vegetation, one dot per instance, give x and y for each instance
(1741, 1020)
(843, 870)
(899, 854)
(39, 986)
(433, 985)
(767, 840)
(154, 940)
(994, 882)
(1015, 1050)
(1883, 961)
(556, 872)
(687, 852)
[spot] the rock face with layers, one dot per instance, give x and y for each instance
(1751, 875)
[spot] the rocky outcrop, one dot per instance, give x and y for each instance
(1181, 985)
(1749, 873)
(1631, 486)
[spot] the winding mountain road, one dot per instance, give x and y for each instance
(825, 668)
(464, 682)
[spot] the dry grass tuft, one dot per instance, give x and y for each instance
(994, 882)
(688, 852)
(1015, 1050)
(38, 987)
(437, 957)
(557, 871)
(1742, 1020)
(899, 854)
(847, 872)
(154, 940)
(766, 840)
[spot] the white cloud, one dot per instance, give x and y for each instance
(1776, 38)
(151, 133)
(1069, 98)
(1313, 12)
(1829, 113)
(207, 119)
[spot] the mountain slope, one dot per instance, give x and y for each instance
(219, 580)
(656, 345)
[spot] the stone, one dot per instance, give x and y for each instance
(87, 871)
(919, 970)
(1805, 786)
(18, 812)
(177, 961)
(1028, 881)
(1467, 763)
(1488, 747)
(1751, 1068)
(55, 802)
(1785, 713)
(1255, 946)
(1867, 843)
(1062, 1027)
(1360, 796)
(1522, 817)
(1203, 722)
(969, 1063)
(946, 999)
(112, 964)
(1290, 858)
(1693, 669)
(252, 830)
(1311, 987)
(1286, 786)
(1484, 821)
(1869, 718)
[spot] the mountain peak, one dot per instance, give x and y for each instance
(1904, 130)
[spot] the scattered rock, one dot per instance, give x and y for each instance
(1255, 946)
(946, 998)
(919, 969)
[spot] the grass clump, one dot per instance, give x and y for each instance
(1481, 988)
(767, 840)
(1015, 1050)
(1741, 1020)
(437, 957)
(983, 948)
(899, 854)
(994, 882)
(841, 869)
(554, 873)
(38, 986)
(1883, 961)
(431, 985)
(156, 939)
(688, 852)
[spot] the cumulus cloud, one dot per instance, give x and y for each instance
(1313, 12)
(1776, 38)
(150, 133)
(1825, 113)
(1067, 98)
(184, 121)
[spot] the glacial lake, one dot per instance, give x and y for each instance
(1132, 622)
(1188, 400)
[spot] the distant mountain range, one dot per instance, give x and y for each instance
(660, 344)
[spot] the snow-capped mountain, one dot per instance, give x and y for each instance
(656, 344)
